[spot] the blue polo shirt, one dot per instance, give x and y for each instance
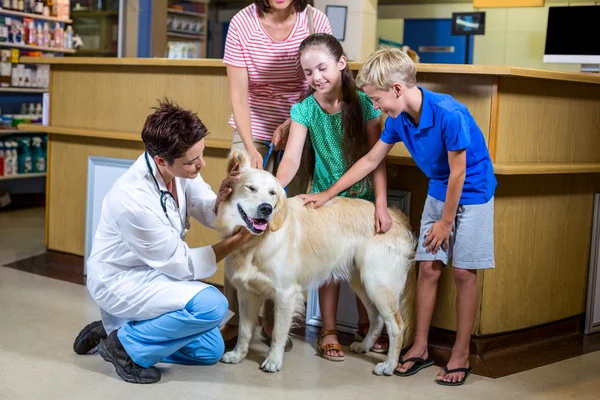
(445, 125)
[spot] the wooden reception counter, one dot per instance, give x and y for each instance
(542, 129)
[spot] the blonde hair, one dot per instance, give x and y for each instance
(386, 66)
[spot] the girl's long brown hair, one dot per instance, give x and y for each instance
(354, 132)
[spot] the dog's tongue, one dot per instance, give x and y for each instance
(259, 224)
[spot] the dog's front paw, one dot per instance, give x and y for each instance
(271, 364)
(384, 368)
(232, 357)
(358, 347)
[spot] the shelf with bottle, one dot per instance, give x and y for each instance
(34, 16)
(24, 78)
(23, 156)
(52, 10)
(37, 36)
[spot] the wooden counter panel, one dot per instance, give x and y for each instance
(462, 69)
(542, 248)
(120, 98)
(67, 194)
(414, 181)
(474, 91)
(548, 123)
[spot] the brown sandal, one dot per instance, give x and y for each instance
(383, 339)
(323, 349)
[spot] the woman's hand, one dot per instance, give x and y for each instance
(318, 199)
(226, 189)
(281, 134)
(256, 159)
(383, 220)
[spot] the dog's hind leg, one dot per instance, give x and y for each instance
(386, 300)
(375, 320)
(285, 305)
(249, 305)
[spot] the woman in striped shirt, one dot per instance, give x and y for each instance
(265, 80)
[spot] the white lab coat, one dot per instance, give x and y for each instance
(139, 267)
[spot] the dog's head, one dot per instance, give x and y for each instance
(257, 200)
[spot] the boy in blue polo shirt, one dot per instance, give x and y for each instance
(457, 223)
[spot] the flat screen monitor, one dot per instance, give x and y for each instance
(468, 23)
(573, 35)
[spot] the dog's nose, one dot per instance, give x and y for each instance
(265, 209)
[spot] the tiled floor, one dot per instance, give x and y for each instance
(40, 317)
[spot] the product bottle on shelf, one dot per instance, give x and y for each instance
(1, 158)
(39, 36)
(69, 37)
(46, 35)
(58, 36)
(24, 158)
(37, 155)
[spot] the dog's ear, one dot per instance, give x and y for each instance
(240, 157)
(280, 211)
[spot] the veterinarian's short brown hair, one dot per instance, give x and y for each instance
(386, 66)
(170, 131)
(264, 6)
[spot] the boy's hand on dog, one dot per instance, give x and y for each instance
(225, 189)
(318, 199)
(438, 236)
(383, 220)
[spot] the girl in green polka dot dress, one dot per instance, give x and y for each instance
(341, 126)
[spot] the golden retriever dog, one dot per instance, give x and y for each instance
(297, 247)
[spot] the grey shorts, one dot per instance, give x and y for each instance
(471, 239)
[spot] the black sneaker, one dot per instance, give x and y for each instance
(112, 351)
(89, 337)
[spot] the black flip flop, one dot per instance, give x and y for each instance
(418, 365)
(447, 371)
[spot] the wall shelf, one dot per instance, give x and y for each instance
(23, 176)
(185, 35)
(34, 16)
(23, 90)
(188, 13)
(35, 48)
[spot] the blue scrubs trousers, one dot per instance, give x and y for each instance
(187, 336)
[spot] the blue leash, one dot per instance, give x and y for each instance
(268, 155)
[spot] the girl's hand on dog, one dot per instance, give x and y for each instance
(438, 236)
(383, 220)
(318, 199)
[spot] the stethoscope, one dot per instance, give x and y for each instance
(164, 195)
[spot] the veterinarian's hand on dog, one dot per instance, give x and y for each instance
(318, 199)
(243, 235)
(438, 236)
(225, 189)
(383, 220)
(280, 136)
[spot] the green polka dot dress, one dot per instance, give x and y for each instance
(326, 136)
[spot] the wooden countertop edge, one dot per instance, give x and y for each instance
(499, 169)
(496, 70)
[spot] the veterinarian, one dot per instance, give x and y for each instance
(265, 80)
(458, 217)
(342, 125)
(141, 272)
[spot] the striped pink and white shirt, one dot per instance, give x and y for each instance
(276, 79)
